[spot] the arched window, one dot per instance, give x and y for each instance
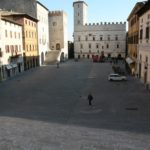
(57, 46)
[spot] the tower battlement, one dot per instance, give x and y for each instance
(105, 23)
(55, 13)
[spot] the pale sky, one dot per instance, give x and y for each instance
(98, 10)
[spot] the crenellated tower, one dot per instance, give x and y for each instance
(80, 13)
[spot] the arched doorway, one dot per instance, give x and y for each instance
(42, 58)
(57, 46)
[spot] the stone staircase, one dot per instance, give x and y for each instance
(52, 57)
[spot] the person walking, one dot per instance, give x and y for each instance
(57, 64)
(90, 98)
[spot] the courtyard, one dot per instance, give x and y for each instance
(47, 109)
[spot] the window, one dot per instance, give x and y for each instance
(107, 45)
(86, 38)
(141, 34)
(78, 21)
(11, 34)
(81, 46)
(147, 32)
(15, 35)
(97, 46)
(79, 38)
(25, 21)
(19, 35)
(54, 23)
(117, 45)
(108, 38)
(0, 53)
(101, 38)
(16, 48)
(89, 45)
(7, 48)
(6, 33)
(12, 49)
(116, 38)
(26, 33)
(93, 38)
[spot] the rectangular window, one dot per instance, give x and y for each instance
(6, 33)
(89, 45)
(101, 38)
(0, 52)
(19, 35)
(11, 34)
(147, 32)
(116, 38)
(81, 46)
(16, 48)
(12, 49)
(93, 38)
(54, 23)
(7, 48)
(86, 38)
(141, 34)
(107, 45)
(15, 35)
(117, 45)
(79, 38)
(97, 46)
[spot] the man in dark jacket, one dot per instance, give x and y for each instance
(90, 98)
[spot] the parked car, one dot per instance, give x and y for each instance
(116, 77)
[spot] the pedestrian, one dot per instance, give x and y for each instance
(90, 98)
(57, 64)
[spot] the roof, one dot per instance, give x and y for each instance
(15, 14)
(144, 9)
(80, 2)
(136, 8)
(42, 5)
(11, 21)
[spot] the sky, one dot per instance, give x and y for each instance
(98, 10)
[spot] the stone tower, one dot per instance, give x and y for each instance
(23, 6)
(80, 13)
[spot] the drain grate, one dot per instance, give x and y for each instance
(132, 108)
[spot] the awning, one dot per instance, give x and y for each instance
(129, 60)
(14, 65)
(8, 67)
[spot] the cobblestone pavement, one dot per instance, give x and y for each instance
(47, 109)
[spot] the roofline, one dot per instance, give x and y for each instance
(79, 2)
(144, 9)
(9, 20)
(42, 5)
(134, 9)
(21, 14)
